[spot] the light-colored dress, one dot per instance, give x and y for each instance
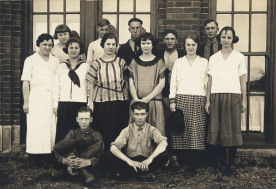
(146, 76)
(41, 124)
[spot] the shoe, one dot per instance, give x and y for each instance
(87, 176)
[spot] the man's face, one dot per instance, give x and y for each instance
(102, 30)
(45, 47)
(170, 41)
(84, 119)
(135, 29)
(140, 117)
(211, 30)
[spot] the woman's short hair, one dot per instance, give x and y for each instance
(140, 106)
(73, 40)
(108, 36)
(42, 37)
(195, 38)
(147, 36)
(61, 29)
(225, 29)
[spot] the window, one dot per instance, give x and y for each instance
(118, 12)
(250, 20)
(47, 14)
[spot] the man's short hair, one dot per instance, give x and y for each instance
(140, 106)
(85, 110)
(135, 20)
(209, 21)
(103, 22)
(166, 32)
(42, 37)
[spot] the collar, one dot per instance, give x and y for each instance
(80, 61)
(209, 41)
(139, 128)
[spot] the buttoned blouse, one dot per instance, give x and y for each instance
(226, 72)
(189, 79)
(139, 142)
(65, 90)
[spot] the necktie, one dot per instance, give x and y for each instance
(211, 49)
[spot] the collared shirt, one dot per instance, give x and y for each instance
(94, 51)
(87, 144)
(108, 76)
(189, 78)
(226, 72)
(139, 142)
(207, 47)
(65, 90)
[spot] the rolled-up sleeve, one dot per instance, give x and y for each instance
(122, 139)
(156, 135)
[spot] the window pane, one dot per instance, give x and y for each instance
(73, 5)
(241, 25)
(40, 5)
(143, 6)
(54, 21)
(56, 5)
(109, 5)
(257, 73)
(224, 20)
(73, 22)
(124, 34)
(113, 21)
(224, 5)
(259, 5)
(39, 27)
(258, 38)
(256, 113)
(146, 20)
(126, 5)
(241, 5)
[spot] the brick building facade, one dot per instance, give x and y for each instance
(16, 31)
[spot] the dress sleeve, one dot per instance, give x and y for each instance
(242, 67)
(122, 139)
(92, 72)
(27, 70)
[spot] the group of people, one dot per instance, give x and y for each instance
(131, 93)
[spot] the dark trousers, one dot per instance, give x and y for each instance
(117, 165)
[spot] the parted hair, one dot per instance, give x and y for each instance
(108, 36)
(195, 38)
(225, 29)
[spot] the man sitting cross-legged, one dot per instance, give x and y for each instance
(81, 149)
(143, 144)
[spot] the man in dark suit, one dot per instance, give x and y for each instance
(211, 45)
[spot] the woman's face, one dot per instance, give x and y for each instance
(110, 46)
(74, 50)
(226, 38)
(190, 46)
(63, 37)
(146, 46)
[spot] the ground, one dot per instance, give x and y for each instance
(19, 171)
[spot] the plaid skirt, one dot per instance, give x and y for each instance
(193, 136)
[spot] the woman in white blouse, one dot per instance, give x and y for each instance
(226, 97)
(70, 88)
(187, 93)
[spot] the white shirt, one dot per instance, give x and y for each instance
(94, 51)
(65, 90)
(189, 79)
(226, 73)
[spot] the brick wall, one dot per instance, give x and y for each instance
(183, 16)
(11, 37)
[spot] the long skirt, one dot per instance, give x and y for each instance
(66, 121)
(110, 118)
(156, 116)
(225, 120)
(193, 136)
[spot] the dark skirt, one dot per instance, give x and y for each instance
(66, 118)
(225, 119)
(110, 118)
(193, 136)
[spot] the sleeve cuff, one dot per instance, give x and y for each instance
(172, 100)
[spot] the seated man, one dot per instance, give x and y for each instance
(144, 145)
(81, 149)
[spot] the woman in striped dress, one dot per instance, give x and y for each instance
(187, 93)
(108, 96)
